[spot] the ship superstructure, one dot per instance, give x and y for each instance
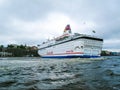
(71, 45)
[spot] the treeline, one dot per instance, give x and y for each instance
(109, 53)
(19, 51)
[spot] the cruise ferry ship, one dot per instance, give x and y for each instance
(71, 45)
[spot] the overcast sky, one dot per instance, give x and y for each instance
(33, 21)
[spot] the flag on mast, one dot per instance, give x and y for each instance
(94, 31)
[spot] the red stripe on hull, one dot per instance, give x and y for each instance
(67, 53)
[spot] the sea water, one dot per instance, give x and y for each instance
(26, 73)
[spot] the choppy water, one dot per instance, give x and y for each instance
(67, 74)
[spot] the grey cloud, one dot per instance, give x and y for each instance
(29, 10)
(104, 13)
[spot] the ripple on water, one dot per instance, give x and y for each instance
(7, 83)
(81, 74)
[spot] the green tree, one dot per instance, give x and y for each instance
(1, 48)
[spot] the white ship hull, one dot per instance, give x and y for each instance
(82, 47)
